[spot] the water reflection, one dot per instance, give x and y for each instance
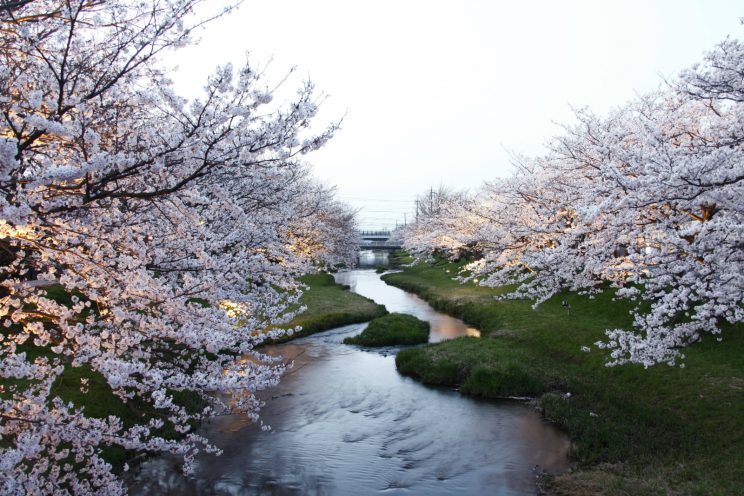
(368, 283)
(370, 258)
(345, 422)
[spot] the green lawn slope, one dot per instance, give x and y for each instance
(662, 430)
(330, 305)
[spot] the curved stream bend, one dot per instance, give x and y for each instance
(345, 422)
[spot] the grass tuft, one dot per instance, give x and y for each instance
(392, 329)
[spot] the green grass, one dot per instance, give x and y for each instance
(662, 430)
(392, 329)
(330, 305)
(399, 258)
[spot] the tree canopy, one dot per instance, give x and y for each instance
(647, 199)
(174, 229)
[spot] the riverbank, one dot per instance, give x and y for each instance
(661, 430)
(330, 305)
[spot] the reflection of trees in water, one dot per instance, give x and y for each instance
(533, 431)
(373, 258)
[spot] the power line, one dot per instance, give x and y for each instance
(385, 211)
(386, 200)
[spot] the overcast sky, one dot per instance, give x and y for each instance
(437, 92)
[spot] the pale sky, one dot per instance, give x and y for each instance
(437, 92)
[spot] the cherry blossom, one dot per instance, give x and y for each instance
(176, 228)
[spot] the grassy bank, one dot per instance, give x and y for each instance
(331, 305)
(657, 431)
(392, 329)
(398, 259)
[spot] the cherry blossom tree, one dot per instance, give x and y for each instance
(174, 229)
(324, 230)
(442, 224)
(648, 198)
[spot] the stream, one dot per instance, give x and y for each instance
(343, 421)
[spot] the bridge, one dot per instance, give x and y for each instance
(377, 240)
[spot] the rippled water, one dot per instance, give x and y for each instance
(345, 422)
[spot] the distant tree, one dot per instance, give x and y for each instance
(433, 229)
(175, 229)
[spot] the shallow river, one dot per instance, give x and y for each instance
(345, 422)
